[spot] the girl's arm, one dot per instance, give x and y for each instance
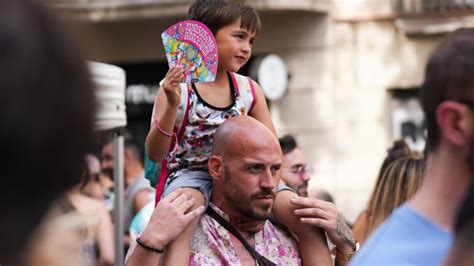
(164, 115)
(260, 109)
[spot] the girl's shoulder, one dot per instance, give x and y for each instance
(245, 89)
(240, 79)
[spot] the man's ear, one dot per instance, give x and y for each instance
(216, 167)
(455, 122)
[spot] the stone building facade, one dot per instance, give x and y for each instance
(354, 68)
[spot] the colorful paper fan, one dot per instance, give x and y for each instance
(191, 44)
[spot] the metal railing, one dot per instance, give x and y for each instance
(415, 7)
(97, 4)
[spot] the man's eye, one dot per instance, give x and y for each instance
(106, 158)
(254, 168)
(275, 169)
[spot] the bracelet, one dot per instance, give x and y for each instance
(341, 256)
(161, 130)
(141, 243)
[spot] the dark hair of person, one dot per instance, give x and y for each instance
(130, 143)
(46, 115)
(216, 14)
(463, 244)
(465, 219)
(448, 76)
(287, 144)
(399, 149)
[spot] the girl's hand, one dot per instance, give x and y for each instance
(170, 85)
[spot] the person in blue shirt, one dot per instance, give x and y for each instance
(420, 231)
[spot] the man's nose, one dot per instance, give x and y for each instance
(267, 180)
(305, 177)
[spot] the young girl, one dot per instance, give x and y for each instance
(234, 26)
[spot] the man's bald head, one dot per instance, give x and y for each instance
(235, 134)
(245, 168)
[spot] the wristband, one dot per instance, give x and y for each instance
(144, 245)
(341, 256)
(161, 130)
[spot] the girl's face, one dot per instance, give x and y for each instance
(234, 45)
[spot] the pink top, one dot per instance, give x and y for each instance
(211, 244)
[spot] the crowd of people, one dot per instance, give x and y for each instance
(235, 193)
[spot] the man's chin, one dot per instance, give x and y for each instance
(303, 191)
(261, 216)
(262, 212)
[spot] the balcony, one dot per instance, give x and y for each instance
(113, 10)
(430, 17)
(408, 8)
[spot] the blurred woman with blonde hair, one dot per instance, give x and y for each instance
(398, 183)
(398, 150)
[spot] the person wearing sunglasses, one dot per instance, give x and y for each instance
(295, 170)
(295, 173)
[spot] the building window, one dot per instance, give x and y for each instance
(407, 119)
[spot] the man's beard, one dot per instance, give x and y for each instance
(302, 190)
(241, 202)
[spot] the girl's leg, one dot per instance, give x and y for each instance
(177, 252)
(312, 240)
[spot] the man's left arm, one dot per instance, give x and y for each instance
(324, 214)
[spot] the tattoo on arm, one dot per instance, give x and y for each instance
(345, 232)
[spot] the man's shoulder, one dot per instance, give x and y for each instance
(406, 237)
(140, 183)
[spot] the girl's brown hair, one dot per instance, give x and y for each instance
(216, 14)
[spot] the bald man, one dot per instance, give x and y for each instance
(245, 167)
(245, 172)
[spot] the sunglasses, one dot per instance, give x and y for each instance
(301, 170)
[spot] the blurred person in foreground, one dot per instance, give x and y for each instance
(46, 115)
(98, 245)
(420, 232)
(98, 185)
(138, 191)
(399, 149)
